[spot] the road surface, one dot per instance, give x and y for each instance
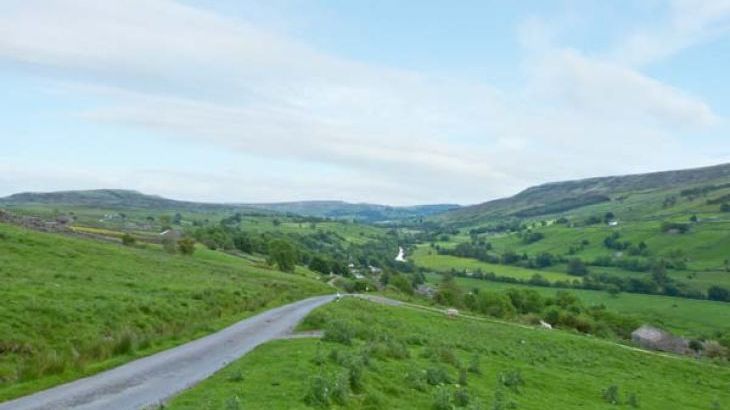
(151, 380)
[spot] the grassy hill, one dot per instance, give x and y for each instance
(560, 197)
(71, 307)
(376, 357)
(359, 212)
(118, 199)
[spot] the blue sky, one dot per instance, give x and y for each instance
(397, 102)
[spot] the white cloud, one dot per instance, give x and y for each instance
(690, 22)
(389, 134)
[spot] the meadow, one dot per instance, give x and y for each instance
(689, 317)
(376, 357)
(72, 307)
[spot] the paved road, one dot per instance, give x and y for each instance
(148, 381)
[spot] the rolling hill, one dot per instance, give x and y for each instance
(127, 199)
(559, 197)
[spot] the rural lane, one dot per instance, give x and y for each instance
(151, 380)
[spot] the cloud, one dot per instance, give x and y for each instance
(387, 134)
(690, 22)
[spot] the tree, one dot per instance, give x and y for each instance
(318, 264)
(165, 221)
(544, 259)
(402, 283)
(693, 218)
(718, 293)
(177, 219)
(576, 267)
(186, 246)
(609, 217)
(128, 240)
(282, 254)
(449, 293)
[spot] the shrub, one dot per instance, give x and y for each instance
(341, 389)
(461, 397)
(128, 240)
(632, 400)
(512, 379)
(442, 399)
(611, 395)
(233, 403)
(463, 381)
(235, 377)
(416, 379)
(437, 375)
(186, 246)
(474, 365)
(318, 393)
(339, 331)
(576, 267)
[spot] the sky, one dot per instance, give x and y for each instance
(396, 102)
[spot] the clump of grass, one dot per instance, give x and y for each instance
(318, 393)
(416, 379)
(233, 403)
(611, 395)
(236, 376)
(124, 343)
(475, 365)
(512, 379)
(437, 375)
(461, 397)
(339, 331)
(442, 399)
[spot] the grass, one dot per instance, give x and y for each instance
(685, 316)
(72, 307)
(428, 258)
(409, 359)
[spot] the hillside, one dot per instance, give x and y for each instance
(73, 307)
(118, 199)
(113, 199)
(360, 211)
(385, 357)
(558, 197)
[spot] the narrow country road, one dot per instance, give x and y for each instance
(150, 380)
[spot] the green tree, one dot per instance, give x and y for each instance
(128, 240)
(576, 267)
(449, 292)
(282, 254)
(186, 246)
(319, 264)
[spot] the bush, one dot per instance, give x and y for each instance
(461, 397)
(339, 331)
(233, 403)
(611, 395)
(318, 393)
(128, 240)
(437, 375)
(474, 365)
(718, 293)
(186, 246)
(576, 267)
(442, 399)
(341, 389)
(512, 379)
(416, 379)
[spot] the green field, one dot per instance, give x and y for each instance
(396, 358)
(428, 258)
(71, 307)
(685, 316)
